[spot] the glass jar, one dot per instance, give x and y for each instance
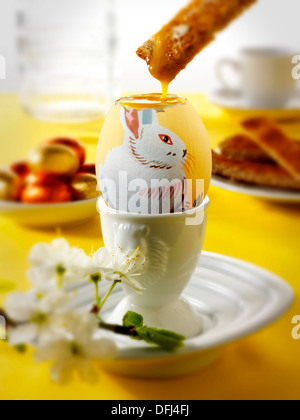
(67, 50)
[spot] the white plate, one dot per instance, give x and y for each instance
(234, 299)
(233, 99)
(273, 194)
(49, 215)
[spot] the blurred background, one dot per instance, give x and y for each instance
(66, 61)
(269, 23)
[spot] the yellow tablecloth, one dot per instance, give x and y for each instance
(264, 366)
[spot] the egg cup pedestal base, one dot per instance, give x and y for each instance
(172, 245)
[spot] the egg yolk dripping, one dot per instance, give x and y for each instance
(158, 68)
(193, 28)
(152, 101)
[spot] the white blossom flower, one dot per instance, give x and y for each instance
(124, 266)
(56, 262)
(76, 350)
(34, 316)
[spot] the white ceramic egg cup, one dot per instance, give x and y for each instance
(172, 244)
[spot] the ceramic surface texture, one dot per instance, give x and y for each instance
(234, 300)
(172, 245)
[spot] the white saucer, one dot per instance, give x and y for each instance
(273, 194)
(234, 100)
(234, 299)
(49, 215)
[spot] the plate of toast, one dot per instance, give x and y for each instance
(261, 160)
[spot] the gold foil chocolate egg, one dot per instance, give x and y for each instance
(88, 168)
(48, 190)
(21, 168)
(74, 144)
(54, 159)
(84, 186)
(9, 185)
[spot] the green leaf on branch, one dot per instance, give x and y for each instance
(168, 340)
(21, 348)
(132, 319)
(163, 338)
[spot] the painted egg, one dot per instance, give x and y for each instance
(73, 144)
(84, 186)
(20, 168)
(153, 157)
(10, 185)
(42, 190)
(54, 159)
(88, 168)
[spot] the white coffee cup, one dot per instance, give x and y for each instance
(264, 76)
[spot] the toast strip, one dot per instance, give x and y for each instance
(263, 174)
(170, 50)
(269, 137)
(242, 147)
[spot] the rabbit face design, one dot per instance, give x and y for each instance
(152, 145)
(150, 152)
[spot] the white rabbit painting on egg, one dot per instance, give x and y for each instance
(146, 173)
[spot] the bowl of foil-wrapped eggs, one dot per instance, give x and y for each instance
(54, 186)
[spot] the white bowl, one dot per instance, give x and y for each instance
(49, 215)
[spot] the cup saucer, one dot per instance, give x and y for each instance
(234, 299)
(230, 99)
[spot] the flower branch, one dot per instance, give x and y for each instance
(70, 340)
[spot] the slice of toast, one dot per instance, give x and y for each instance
(243, 147)
(263, 174)
(270, 138)
(188, 33)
